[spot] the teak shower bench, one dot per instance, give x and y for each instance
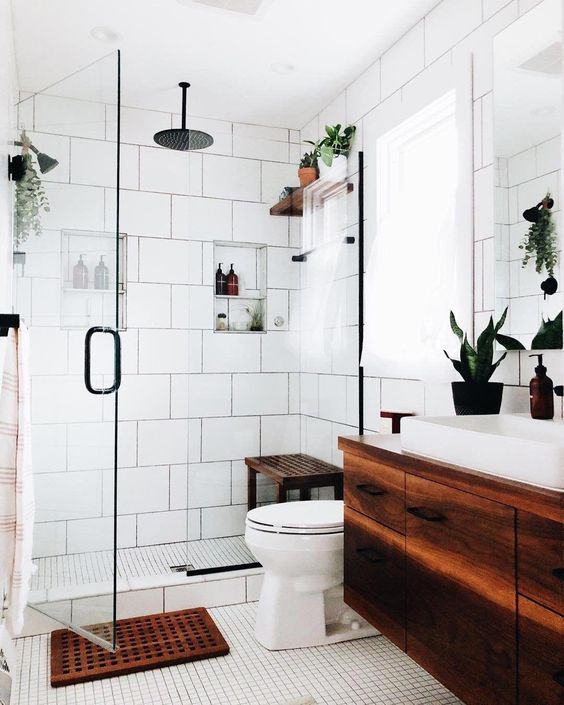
(293, 472)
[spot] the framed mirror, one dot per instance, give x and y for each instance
(527, 106)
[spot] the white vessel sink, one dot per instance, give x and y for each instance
(511, 446)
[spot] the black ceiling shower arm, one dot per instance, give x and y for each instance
(185, 86)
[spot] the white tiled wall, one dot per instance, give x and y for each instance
(453, 27)
(193, 404)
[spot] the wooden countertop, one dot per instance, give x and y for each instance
(386, 449)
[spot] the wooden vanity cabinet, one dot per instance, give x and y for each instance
(467, 581)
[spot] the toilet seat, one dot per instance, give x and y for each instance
(305, 518)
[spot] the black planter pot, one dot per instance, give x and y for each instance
(472, 398)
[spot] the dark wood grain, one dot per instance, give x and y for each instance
(473, 541)
(463, 639)
(375, 571)
(540, 550)
(541, 655)
(376, 490)
(386, 449)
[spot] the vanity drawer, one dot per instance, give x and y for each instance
(376, 490)
(375, 574)
(540, 551)
(462, 536)
(541, 655)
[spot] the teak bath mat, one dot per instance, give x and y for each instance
(143, 643)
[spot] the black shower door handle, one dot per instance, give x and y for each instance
(88, 355)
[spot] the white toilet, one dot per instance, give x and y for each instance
(300, 545)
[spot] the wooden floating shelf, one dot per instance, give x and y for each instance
(293, 205)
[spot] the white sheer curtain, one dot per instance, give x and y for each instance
(413, 273)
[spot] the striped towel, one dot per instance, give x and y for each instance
(16, 478)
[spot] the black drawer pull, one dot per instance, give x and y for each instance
(558, 573)
(559, 677)
(371, 555)
(372, 490)
(426, 514)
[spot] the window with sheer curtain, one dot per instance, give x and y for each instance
(413, 274)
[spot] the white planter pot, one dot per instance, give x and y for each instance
(337, 170)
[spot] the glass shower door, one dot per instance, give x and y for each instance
(69, 292)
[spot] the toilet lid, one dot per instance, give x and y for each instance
(310, 517)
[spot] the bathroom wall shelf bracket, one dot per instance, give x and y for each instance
(7, 321)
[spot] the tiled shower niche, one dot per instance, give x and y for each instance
(92, 301)
(250, 264)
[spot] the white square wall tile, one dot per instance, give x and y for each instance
(138, 126)
(196, 218)
(257, 148)
(139, 490)
(65, 116)
(403, 60)
(74, 206)
(227, 177)
(61, 496)
(260, 132)
(145, 214)
(231, 352)
(260, 394)
(403, 395)
(209, 395)
(281, 351)
(148, 305)
(50, 539)
(144, 397)
(282, 272)
(94, 163)
(364, 93)
(49, 447)
(230, 438)
(333, 398)
(484, 203)
(163, 442)
(98, 534)
(209, 484)
(319, 439)
(161, 527)
(448, 23)
(279, 434)
(223, 521)
(278, 314)
(137, 603)
(192, 307)
(170, 171)
(252, 222)
(212, 593)
(170, 261)
(164, 351)
(274, 178)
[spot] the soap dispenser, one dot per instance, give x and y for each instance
(80, 275)
(541, 390)
(101, 275)
(220, 282)
(232, 283)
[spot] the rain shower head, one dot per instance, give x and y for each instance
(182, 138)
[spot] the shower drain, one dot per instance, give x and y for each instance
(181, 568)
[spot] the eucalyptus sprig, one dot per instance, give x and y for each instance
(541, 242)
(30, 200)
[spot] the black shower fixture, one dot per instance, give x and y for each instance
(46, 163)
(182, 138)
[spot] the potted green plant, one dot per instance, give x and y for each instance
(256, 316)
(476, 394)
(334, 148)
(307, 170)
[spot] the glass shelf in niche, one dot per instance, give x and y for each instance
(87, 299)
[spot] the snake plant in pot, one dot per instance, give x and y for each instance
(476, 394)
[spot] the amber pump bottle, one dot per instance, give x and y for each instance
(220, 282)
(542, 393)
(232, 283)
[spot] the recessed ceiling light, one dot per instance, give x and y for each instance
(281, 67)
(104, 34)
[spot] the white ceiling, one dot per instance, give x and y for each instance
(226, 56)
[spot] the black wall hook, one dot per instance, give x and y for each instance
(16, 167)
(7, 321)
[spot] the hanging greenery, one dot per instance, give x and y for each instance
(30, 200)
(541, 242)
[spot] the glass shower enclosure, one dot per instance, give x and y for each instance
(69, 290)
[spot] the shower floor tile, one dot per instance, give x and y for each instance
(364, 672)
(97, 566)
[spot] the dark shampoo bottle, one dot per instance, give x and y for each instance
(542, 393)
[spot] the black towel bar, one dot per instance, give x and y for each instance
(7, 321)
